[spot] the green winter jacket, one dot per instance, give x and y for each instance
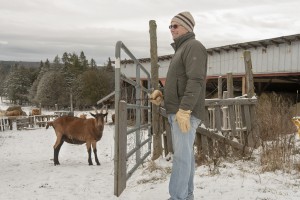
(186, 78)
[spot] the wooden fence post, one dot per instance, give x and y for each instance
(220, 87)
(253, 133)
(249, 74)
(157, 139)
(230, 85)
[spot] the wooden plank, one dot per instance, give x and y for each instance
(206, 133)
(218, 118)
(222, 146)
(120, 156)
(237, 129)
(247, 117)
(226, 102)
(232, 119)
(206, 118)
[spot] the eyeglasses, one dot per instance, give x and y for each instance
(175, 26)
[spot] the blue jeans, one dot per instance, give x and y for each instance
(181, 184)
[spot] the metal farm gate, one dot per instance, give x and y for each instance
(132, 122)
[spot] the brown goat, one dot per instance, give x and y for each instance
(13, 113)
(76, 130)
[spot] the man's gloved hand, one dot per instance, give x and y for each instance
(183, 119)
(156, 97)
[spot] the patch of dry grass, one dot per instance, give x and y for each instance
(276, 133)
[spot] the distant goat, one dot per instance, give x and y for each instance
(35, 111)
(296, 121)
(75, 130)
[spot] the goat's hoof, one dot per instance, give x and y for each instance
(90, 163)
(98, 164)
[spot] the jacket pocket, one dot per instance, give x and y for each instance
(181, 85)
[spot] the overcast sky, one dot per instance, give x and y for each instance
(34, 30)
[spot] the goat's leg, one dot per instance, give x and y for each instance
(95, 152)
(59, 142)
(89, 150)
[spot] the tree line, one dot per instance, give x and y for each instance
(54, 83)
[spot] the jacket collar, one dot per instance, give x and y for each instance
(180, 40)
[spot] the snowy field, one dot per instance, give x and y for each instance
(27, 172)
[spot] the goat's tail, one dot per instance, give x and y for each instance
(49, 124)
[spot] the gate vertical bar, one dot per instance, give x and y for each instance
(117, 99)
(138, 113)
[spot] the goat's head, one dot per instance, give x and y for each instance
(99, 116)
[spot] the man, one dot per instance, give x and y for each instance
(184, 100)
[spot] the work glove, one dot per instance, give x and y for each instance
(156, 97)
(183, 119)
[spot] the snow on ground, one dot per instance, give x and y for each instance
(27, 172)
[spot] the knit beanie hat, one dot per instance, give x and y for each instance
(185, 19)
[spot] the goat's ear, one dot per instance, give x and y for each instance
(93, 115)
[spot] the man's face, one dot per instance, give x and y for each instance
(177, 30)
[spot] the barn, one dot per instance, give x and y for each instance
(275, 65)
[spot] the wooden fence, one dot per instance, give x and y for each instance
(25, 122)
(229, 125)
(29, 122)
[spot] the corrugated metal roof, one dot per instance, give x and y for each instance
(246, 45)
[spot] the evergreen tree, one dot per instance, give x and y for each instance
(4, 71)
(93, 64)
(56, 64)
(83, 61)
(109, 66)
(17, 85)
(47, 65)
(52, 90)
